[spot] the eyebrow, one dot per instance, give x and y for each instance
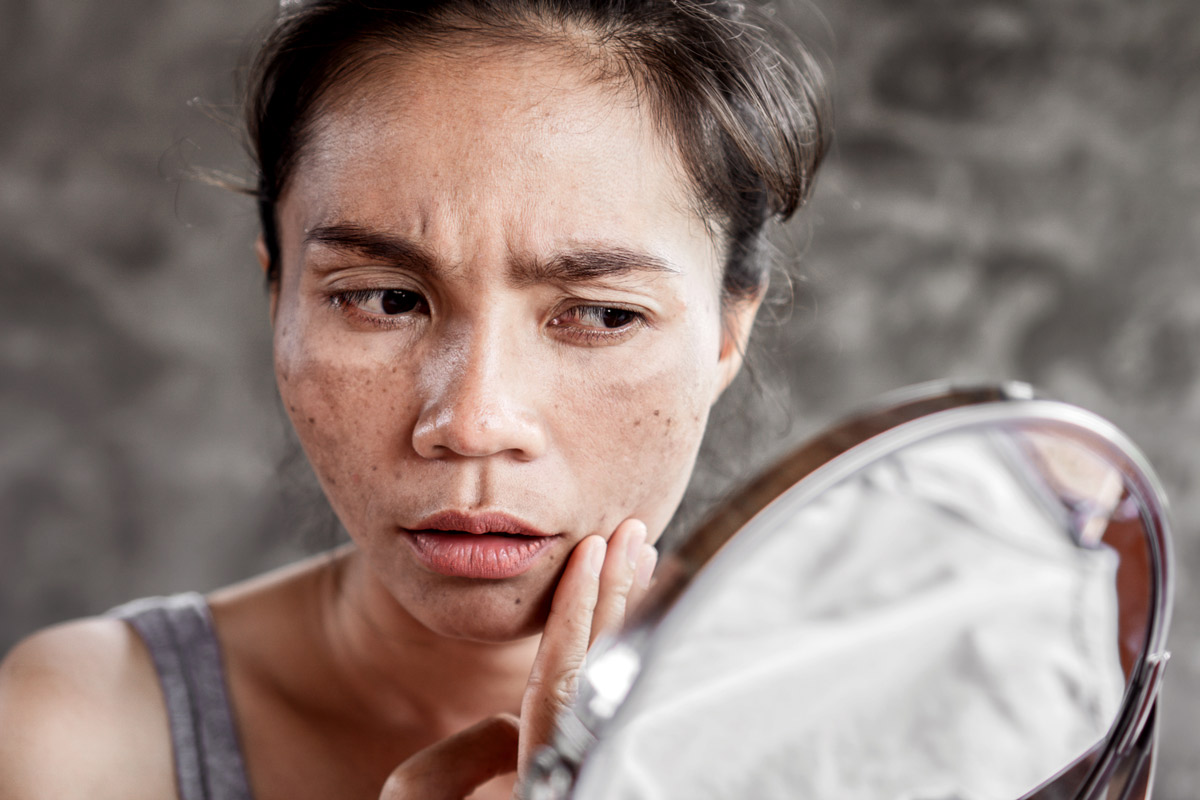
(590, 264)
(581, 265)
(372, 244)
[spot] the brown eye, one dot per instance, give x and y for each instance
(601, 317)
(596, 324)
(616, 317)
(394, 301)
(381, 302)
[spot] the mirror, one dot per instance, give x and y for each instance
(961, 595)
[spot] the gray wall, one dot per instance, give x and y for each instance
(1015, 193)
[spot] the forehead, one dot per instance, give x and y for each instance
(522, 141)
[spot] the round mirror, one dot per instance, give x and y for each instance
(960, 596)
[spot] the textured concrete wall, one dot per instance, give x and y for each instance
(1015, 193)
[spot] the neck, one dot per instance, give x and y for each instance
(401, 672)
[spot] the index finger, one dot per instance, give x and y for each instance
(563, 647)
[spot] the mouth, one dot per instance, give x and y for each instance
(488, 546)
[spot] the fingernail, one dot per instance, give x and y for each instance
(596, 557)
(634, 549)
(645, 566)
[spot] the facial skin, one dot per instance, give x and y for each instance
(495, 297)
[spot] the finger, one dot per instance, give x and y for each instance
(563, 647)
(616, 579)
(643, 574)
(452, 768)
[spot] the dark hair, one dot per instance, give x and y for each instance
(751, 125)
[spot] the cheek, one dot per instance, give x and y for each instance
(345, 408)
(645, 432)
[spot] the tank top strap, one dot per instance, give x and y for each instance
(178, 632)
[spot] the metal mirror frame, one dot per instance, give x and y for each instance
(1123, 758)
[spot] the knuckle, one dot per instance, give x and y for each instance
(556, 689)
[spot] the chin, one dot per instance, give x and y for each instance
(486, 613)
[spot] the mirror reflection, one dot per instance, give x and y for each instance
(957, 619)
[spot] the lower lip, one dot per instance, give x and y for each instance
(469, 555)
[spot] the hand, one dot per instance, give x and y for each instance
(601, 580)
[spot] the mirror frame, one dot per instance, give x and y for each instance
(893, 422)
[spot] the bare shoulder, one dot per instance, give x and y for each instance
(82, 716)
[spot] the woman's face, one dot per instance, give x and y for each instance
(497, 312)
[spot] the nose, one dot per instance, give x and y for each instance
(478, 403)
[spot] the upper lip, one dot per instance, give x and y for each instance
(483, 522)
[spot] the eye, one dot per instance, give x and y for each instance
(598, 323)
(381, 302)
(601, 317)
(393, 301)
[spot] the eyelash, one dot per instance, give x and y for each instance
(600, 335)
(351, 302)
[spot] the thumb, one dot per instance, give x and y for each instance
(453, 767)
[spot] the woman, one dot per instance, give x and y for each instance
(514, 253)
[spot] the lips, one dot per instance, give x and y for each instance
(489, 546)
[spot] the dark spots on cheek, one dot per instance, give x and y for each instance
(518, 601)
(657, 412)
(669, 421)
(637, 422)
(374, 468)
(312, 420)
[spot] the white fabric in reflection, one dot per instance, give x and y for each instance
(924, 631)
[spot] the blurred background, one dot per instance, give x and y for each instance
(1014, 193)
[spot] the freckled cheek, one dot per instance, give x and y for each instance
(349, 416)
(643, 447)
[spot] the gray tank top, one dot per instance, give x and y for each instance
(179, 634)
